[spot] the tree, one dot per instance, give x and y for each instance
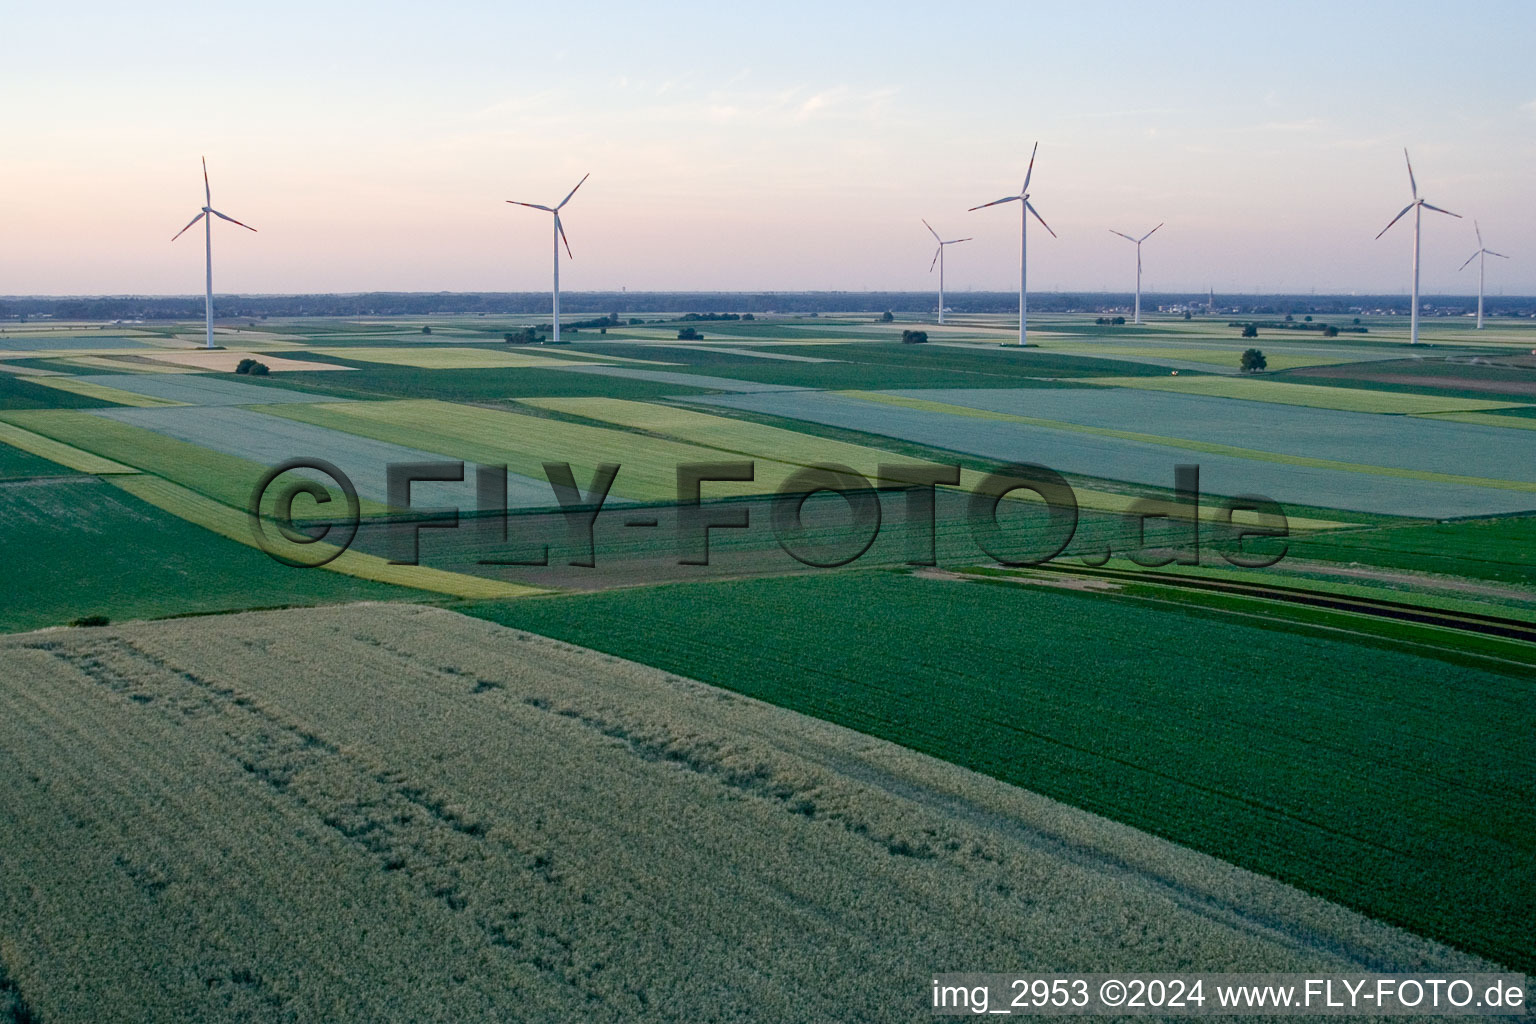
(1253, 361)
(426, 330)
(1250, 330)
(914, 337)
(244, 365)
(689, 334)
(1330, 331)
(887, 317)
(1118, 321)
(259, 369)
(1188, 315)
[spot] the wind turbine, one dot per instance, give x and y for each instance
(1024, 210)
(208, 243)
(559, 237)
(938, 257)
(1418, 206)
(1481, 252)
(1138, 242)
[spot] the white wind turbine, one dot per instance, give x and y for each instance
(559, 237)
(1025, 209)
(938, 257)
(1481, 252)
(1418, 206)
(1138, 242)
(208, 244)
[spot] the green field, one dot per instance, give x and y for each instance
(1502, 549)
(1366, 788)
(78, 546)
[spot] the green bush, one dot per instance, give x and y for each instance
(914, 337)
(1253, 361)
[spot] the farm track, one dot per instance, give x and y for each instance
(1401, 611)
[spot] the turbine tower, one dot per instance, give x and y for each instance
(1025, 209)
(938, 257)
(1418, 206)
(208, 244)
(1138, 242)
(1481, 252)
(559, 237)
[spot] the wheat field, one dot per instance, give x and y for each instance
(383, 812)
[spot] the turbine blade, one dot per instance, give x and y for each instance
(1446, 212)
(1030, 207)
(1500, 255)
(1411, 183)
(232, 220)
(1149, 234)
(936, 253)
(995, 202)
(561, 228)
(1031, 171)
(207, 190)
(932, 232)
(957, 241)
(1469, 260)
(183, 231)
(1122, 234)
(534, 206)
(1395, 219)
(572, 192)
(1479, 231)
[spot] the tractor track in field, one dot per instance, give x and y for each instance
(1402, 611)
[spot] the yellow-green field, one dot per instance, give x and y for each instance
(445, 357)
(1257, 389)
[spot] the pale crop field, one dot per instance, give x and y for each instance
(402, 814)
(761, 441)
(225, 360)
(1137, 457)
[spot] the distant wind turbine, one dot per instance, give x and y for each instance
(559, 237)
(1138, 242)
(1418, 206)
(938, 257)
(1025, 208)
(1481, 252)
(208, 243)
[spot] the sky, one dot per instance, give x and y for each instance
(778, 146)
